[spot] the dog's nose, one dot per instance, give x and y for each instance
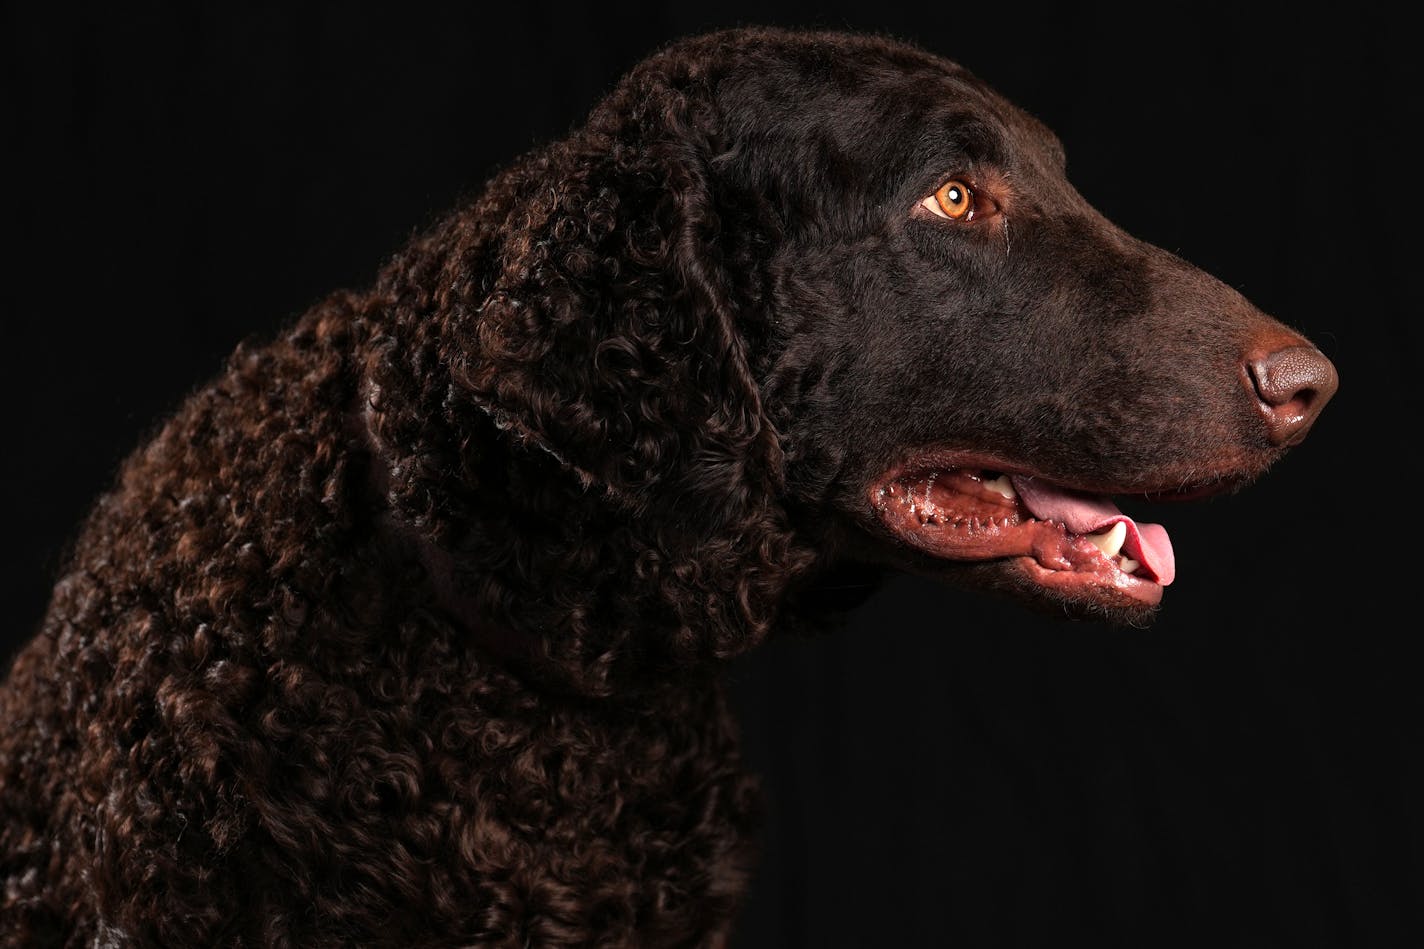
(1292, 385)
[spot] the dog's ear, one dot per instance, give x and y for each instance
(608, 336)
(608, 342)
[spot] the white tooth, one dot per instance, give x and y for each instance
(1110, 540)
(1002, 485)
(1127, 564)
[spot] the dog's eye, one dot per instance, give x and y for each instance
(953, 200)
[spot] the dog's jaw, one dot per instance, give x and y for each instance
(1024, 533)
(964, 514)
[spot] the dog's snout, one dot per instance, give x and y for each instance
(1291, 385)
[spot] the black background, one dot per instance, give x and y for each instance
(950, 768)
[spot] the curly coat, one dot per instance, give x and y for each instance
(405, 629)
(274, 725)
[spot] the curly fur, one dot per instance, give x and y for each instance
(272, 731)
(404, 629)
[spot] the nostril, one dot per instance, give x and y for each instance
(1293, 384)
(1280, 399)
(1291, 374)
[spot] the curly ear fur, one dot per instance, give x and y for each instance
(575, 336)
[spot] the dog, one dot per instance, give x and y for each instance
(406, 629)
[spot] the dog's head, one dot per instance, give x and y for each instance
(792, 298)
(967, 361)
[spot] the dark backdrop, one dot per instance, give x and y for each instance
(1247, 772)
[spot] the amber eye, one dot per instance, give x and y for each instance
(954, 200)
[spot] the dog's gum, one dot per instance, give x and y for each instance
(956, 515)
(953, 515)
(966, 490)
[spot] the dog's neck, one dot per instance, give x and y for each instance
(595, 585)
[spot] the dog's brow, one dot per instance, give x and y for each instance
(1060, 154)
(969, 136)
(1051, 141)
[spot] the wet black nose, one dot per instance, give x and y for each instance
(1292, 385)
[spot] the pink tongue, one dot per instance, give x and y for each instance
(1148, 544)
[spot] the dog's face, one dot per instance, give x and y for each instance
(968, 360)
(793, 299)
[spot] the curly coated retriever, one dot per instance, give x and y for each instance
(406, 629)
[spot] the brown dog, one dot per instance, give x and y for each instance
(405, 629)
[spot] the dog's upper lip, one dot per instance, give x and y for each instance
(1199, 483)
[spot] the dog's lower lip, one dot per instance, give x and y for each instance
(1112, 589)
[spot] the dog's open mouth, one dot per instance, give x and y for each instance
(1076, 544)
